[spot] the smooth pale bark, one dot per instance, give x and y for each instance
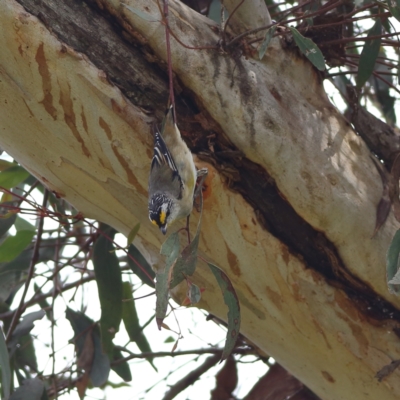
(67, 124)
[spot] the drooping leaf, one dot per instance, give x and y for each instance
(392, 263)
(82, 326)
(25, 326)
(109, 284)
(5, 367)
(6, 165)
(394, 8)
(138, 263)
(22, 224)
(186, 262)
(131, 322)
(194, 293)
(369, 55)
(25, 354)
(139, 13)
(226, 381)
(309, 49)
(132, 234)
(14, 245)
(7, 223)
(12, 273)
(31, 389)
(122, 368)
(232, 301)
(170, 248)
(267, 39)
(13, 176)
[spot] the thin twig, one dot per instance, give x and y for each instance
(35, 257)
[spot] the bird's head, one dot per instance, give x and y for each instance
(160, 210)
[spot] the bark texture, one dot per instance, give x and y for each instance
(291, 196)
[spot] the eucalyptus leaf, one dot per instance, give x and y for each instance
(82, 326)
(5, 367)
(25, 326)
(369, 55)
(267, 39)
(132, 234)
(7, 223)
(131, 322)
(13, 176)
(31, 389)
(232, 301)
(109, 285)
(394, 8)
(170, 248)
(140, 266)
(14, 245)
(309, 49)
(122, 368)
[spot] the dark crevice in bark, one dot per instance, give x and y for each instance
(101, 39)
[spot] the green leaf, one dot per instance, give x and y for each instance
(109, 284)
(25, 326)
(139, 265)
(14, 245)
(141, 14)
(6, 165)
(7, 223)
(22, 224)
(368, 55)
(186, 263)
(170, 248)
(267, 39)
(5, 367)
(82, 326)
(392, 265)
(133, 233)
(122, 369)
(309, 49)
(131, 322)
(394, 8)
(13, 176)
(194, 293)
(31, 389)
(232, 301)
(25, 354)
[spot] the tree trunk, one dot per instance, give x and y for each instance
(292, 191)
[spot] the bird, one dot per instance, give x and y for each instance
(173, 176)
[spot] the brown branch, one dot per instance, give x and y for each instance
(35, 257)
(192, 377)
(210, 350)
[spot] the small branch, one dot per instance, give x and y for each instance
(197, 352)
(35, 257)
(192, 377)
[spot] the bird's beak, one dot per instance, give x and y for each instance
(163, 229)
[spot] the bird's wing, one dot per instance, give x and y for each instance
(163, 167)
